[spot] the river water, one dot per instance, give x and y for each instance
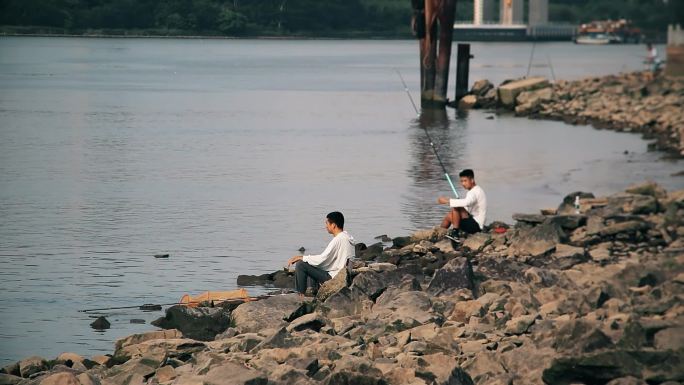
(227, 154)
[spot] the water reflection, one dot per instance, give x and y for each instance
(428, 180)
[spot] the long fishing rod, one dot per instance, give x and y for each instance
(432, 144)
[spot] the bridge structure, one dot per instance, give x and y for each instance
(510, 24)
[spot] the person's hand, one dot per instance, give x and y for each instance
(294, 260)
(443, 200)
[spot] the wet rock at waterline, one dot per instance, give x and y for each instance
(283, 279)
(100, 323)
(200, 323)
(629, 102)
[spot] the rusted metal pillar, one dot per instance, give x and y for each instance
(435, 48)
(463, 57)
(428, 54)
(446, 35)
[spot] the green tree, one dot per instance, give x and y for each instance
(231, 22)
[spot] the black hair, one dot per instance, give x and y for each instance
(337, 218)
(467, 173)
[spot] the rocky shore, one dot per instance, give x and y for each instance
(560, 297)
(630, 102)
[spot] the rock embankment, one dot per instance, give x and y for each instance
(594, 297)
(630, 102)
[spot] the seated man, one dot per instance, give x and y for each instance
(322, 267)
(468, 214)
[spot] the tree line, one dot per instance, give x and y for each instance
(293, 17)
(213, 17)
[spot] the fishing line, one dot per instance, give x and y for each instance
(529, 64)
(553, 74)
(432, 144)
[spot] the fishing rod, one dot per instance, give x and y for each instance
(150, 306)
(432, 144)
(529, 63)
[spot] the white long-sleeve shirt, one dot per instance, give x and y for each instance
(475, 203)
(334, 257)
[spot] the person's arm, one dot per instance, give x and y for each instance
(318, 259)
(467, 201)
(294, 260)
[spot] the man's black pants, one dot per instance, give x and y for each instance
(305, 272)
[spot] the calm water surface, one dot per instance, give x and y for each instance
(227, 154)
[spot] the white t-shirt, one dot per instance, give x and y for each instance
(475, 203)
(335, 256)
(653, 54)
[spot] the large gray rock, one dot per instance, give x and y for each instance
(8, 379)
(632, 203)
(12, 369)
(269, 313)
(456, 274)
(403, 310)
(481, 87)
(629, 227)
(601, 367)
(286, 374)
(478, 241)
(355, 378)
(567, 256)
(500, 268)
(135, 339)
(32, 365)
(510, 91)
(647, 188)
(467, 102)
(63, 378)
(313, 321)
(629, 380)
(528, 102)
(443, 369)
(670, 338)
(199, 323)
(345, 302)
(520, 324)
(489, 99)
(529, 218)
(371, 252)
(570, 221)
(230, 373)
(568, 204)
(333, 285)
(371, 283)
(538, 240)
(132, 371)
(580, 336)
(281, 279)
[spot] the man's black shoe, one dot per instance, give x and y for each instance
(455, 236)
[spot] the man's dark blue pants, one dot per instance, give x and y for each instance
(305, 272)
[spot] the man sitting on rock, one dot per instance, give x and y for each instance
(468, 214)
(322, 267)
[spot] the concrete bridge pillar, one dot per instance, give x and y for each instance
(483, 11)
(538, 12)
(511, 12)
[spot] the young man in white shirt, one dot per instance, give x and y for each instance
(468, 214)
(322, 267)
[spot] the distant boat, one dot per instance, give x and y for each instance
(597, 38)
(608, 32)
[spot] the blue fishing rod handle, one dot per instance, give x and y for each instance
(453, 188)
